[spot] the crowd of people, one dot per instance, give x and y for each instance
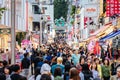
(59, 61)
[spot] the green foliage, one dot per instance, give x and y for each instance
(20, 36)
(60, 9)
(2, 11)
(73, 9)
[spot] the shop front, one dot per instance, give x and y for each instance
(35, 40)
(5, 37)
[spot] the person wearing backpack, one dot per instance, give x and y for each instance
(25, 65)
(59, 64)
(86, 74)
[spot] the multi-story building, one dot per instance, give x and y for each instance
(89, 15)
(5, 22)
(41, 9)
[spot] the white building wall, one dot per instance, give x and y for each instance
(20, 14)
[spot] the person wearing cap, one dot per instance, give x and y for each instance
(59, 64)
(117, 76)
(45, 69)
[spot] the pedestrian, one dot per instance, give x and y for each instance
(106, 70)
(45, 77)
(37, 72)
(9, 56)
(80, 64)
(86, 74)
(58, 74)
(59, 64)
(7, 72)
(67, 69)
(74, 74)
(16, 73)
(94, 71)
(25, 65)
(99, 69)
(75, 57)
(1, 67)
(117, 76)
(45, 70)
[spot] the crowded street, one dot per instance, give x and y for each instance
(59, 39)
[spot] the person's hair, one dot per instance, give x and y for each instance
(6, 49)
(45, 77)
(92, 66)
(96, 60)
(7, 67)
(85, 67)
(41, 59)
(15, 67)
(74, 74)
(107, 61)
(2, 76)
(5, 63)
(57, 72)
(26, 54)
(37, 72)
(59, 60)
(24, 49)
(82, 57)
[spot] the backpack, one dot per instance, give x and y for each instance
(88, 75)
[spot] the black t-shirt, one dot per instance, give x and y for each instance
(15, 77)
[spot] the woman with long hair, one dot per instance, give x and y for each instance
(94, 71)
(106, 70)
(74, 74)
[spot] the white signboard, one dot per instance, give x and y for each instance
(91, 10)
(93, 1)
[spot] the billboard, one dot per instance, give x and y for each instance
(113, 7)
(91, 10)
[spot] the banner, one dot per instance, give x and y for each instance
(113, 7)
(91, 10)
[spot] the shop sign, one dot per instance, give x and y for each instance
(113, 7)
(5, 30)
(91, 10)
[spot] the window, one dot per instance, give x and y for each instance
(36, 9)
(36, 26)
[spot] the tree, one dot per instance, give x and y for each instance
(20, 36)
(1, 11)
(60, 9)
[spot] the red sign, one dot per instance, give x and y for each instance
(113, 7)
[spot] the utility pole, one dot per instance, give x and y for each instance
(13, 37)
(41, 18)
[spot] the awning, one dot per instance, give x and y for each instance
(111, 35)
(102, 29)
